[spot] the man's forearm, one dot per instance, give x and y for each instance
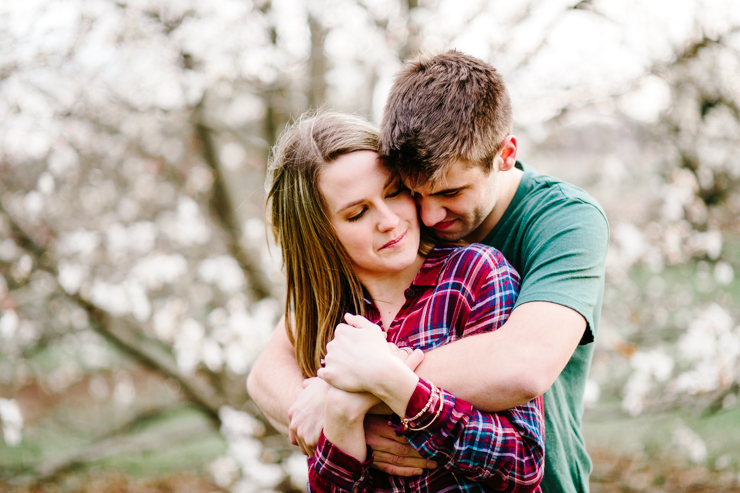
(513, 365)
(275, 380)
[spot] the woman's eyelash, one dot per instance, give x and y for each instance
(397, 192)
(357, 216)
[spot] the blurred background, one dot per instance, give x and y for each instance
(136, 282)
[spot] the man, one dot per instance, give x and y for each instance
(447, 131)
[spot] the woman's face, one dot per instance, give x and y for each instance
(373, 214)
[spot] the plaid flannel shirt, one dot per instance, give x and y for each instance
(457, 292)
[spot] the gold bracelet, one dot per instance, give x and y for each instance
(441, 403)
(405, 421)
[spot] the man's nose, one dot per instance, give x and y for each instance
(430, 212)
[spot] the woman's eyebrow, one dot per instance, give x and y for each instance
(388, 183)
(351, 204)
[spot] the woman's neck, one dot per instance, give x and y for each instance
(388, 290)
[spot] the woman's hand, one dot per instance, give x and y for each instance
(359, 359)
(349, 406)
(345, 416)
(358, 355)
(355, 355)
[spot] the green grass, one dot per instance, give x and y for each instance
(181, 440)
(654, 434)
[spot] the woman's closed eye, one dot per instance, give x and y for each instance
(358, 216)
(396, 191)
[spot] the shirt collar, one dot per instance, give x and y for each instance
(429, 272)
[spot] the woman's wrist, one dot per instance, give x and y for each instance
(348, 407)
(395, 385)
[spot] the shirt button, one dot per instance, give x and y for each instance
(411, 291)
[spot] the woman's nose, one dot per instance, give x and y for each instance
(388, 219)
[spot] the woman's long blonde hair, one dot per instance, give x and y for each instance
(321, 283)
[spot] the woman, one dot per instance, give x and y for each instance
(351, 243)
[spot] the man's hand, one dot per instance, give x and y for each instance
(392, 454)
(307, 415)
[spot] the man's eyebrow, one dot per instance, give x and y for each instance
(388, 183)
(449, 190)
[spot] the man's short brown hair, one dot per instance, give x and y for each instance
(445, 107)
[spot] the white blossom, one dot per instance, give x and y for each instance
(8, 250)
(187, 345)
(224, 470)
(212, 354)
(71, 276)
(9, 322)
(713, 347)
(157, 270)
(81, 241)
(187, 227)
(690, 443)
(46, 183)
(124, 393)
(297, 468)
(224, 272)
(166, 318)
(724, 274)
(12, 420)
(649, 368)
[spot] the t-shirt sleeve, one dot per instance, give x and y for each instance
(565, 262)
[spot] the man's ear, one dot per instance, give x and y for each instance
(508, 153)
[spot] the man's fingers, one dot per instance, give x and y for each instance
(377, 425)
(397, 470)
(303, 450)
(397, 460)
(307, 450)
(385, 445)
(292, 437)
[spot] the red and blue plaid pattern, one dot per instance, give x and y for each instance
(458, 292)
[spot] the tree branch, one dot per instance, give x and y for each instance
(223, 209)
(119, 332)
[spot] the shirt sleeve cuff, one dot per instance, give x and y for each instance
(332, 466)
(419, 399)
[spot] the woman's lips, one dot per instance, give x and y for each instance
(395, 241)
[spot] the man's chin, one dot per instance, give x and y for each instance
(446, 235)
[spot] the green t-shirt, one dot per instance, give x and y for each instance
(556, 236)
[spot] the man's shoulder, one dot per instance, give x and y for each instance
(541, 192)
(535, 182)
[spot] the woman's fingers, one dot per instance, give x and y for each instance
(360, 322)
(415, 359)
(411, 357)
